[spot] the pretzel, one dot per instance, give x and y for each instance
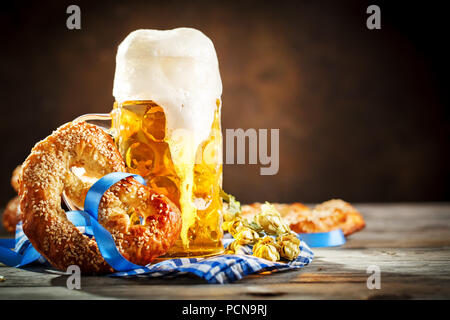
(330, 215)
(11, 215)
(54, 167)
(16, 177)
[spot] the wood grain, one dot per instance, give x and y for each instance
(409, 242)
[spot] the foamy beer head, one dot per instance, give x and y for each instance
(166, 120)
(178, 69)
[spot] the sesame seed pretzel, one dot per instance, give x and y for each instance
(329, 215)
(48, 172)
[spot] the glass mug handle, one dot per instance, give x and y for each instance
(97, 117)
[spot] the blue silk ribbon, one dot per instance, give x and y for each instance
(17, 259)
(323, 239)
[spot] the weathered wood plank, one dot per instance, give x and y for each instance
(409, 242)
(339, 290)
(403, 225)
(407, 273)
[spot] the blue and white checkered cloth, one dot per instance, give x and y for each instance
(223, 268)
(217, 269)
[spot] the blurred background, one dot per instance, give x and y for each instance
(363, 115)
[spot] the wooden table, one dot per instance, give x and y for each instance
(409, 243)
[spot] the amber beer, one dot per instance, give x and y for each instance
(139, 128)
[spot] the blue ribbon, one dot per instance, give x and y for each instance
(24, 255)
(323, 239)
(87, 219)
(95, 193)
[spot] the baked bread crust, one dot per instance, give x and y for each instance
(15, 178)
(11, 215)
(330, 215)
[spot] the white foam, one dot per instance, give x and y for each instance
(178, 69)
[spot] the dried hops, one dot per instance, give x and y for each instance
(271, 221)
(246, 236)
(235, 248)
(271, 237)
(284, 246)
(289, 246)
(266, 248)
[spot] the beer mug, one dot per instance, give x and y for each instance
(166, 124)
(138, 129)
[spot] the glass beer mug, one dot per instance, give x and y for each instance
(139, 131)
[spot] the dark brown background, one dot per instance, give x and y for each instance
(363, 115)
